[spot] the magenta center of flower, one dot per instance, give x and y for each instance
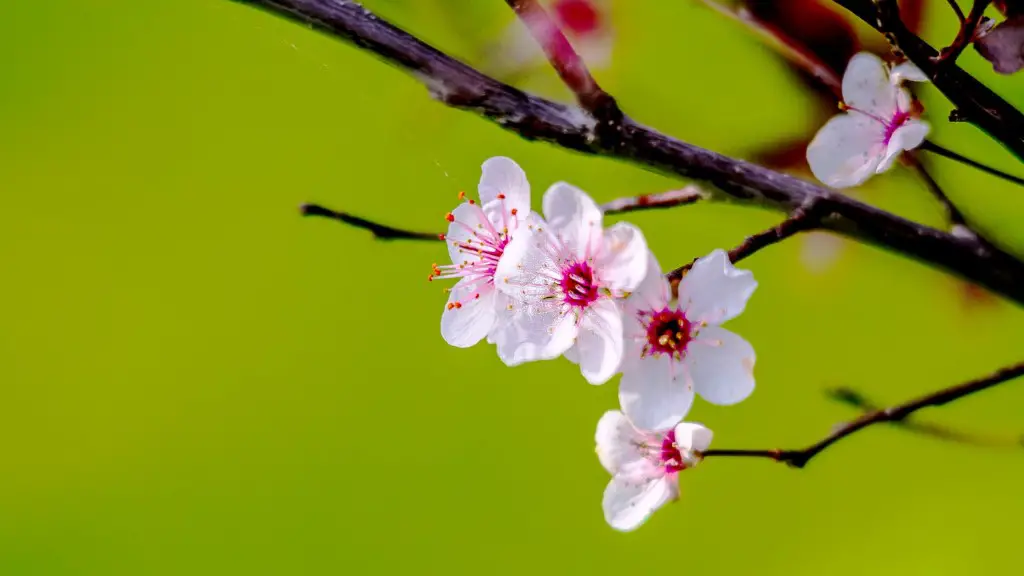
(578, 16)
(671, 458)
(579, 287)
(898, 119)
(668, 332)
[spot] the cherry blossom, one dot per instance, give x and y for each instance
(878, 124)
(644, 466)
(478, 234)
(673, 351)
(568, 275)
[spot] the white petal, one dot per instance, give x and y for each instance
(574, 217)
(470, 222)
(714, 290)
(653, 292)
(866, 85)
(530, 336)
(907, 137)
(465, 326)
(653, 393)
(628, 502)
(622, 260)
(690, 436)
(599, 343)
(847, 149)
(721, 365)
(617, 442)
(521, 263)
(502, 176)
(907, 72)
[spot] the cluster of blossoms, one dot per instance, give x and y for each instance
(561, 284)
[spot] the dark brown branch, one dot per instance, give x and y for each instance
(569, 66)
(956, 8)
(929, 146)
(460, 86)
(800, 458)
(660, 201)
(975, 102)
(968, 26)
(853, 398)
(802, 220)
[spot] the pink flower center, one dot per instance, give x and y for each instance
(668, 332)
(579, 287)
(671, 458)
(899, 119)
(577, 16)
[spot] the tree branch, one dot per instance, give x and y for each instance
(800, 458)
(974, 101)
(684, 196)
(569, 66)
(968, 26)
(929, 146)
(460, 86)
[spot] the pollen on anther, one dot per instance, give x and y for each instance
(514, 211)
(458, 304)
(462, 195)
(843, 106)
(501, 196)
(476, 296)
(450, 305)
(441, 237)
(449, 217)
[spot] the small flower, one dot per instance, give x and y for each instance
(644, 466)
(568, 275)
(477, 236)
(674, 350)
(879, 123)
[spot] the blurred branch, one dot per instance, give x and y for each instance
(975, 102)
(857, 400)
(929, 146)
(953, 214)
(800, 458)
(682, 197)
(460, 86)
(965, 35)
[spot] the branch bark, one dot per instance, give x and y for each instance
(460, 86)
(800, 458)
(975, 103)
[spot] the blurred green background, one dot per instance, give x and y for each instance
(195, 380)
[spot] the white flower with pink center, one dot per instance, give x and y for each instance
(674, 350)
(568, 275)
(645, 466)
(478, 234)
(879, 123)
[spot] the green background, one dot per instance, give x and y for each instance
(194, 380)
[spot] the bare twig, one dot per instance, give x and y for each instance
(857, 400)
(976, 102)
(800, 458)
(660, 201)
(964, 36)
(460, 86)
(953, 214)
(929, 146)
(569, 66)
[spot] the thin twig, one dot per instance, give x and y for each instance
(460, 86)
(856, 399)
(671, 199)
(976, 102)
(800, 458)
(802, 220)
(965, 35)
(566, 62)
(953, 214)
(956, 8)
(929, 146)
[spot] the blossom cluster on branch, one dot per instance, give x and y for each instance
(563, 285)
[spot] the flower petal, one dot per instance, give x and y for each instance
(653, 393)
(906, 72)
(653, 292)
(714, 290)
(622, 260)
(502, 176)
(847, 149)
(528, 336)
(866, 86)
(617, 442)
(573, 217)
(474, 317)
(599, 343)
(691, 436)
(519, 269)
(907, 137)
(721, 365)
(629, 502)
(465, 231)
